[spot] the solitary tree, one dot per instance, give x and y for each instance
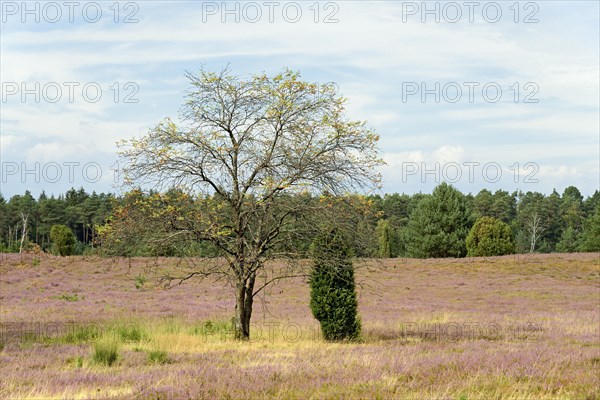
(245, 146)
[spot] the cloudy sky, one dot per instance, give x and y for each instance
(497, 95)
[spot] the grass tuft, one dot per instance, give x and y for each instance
(158, 357)
(131, 333)
(105, 353)
(82, 334)
(140, 281)
(77, 362)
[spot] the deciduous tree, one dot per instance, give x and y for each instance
(248, 144)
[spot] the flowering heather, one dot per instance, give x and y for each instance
(512, 327)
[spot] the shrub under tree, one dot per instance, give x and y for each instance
(248, 146)
(490, 237)
(333, 299)
(63, 240)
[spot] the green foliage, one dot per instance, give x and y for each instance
(157, 357)
(76, 209)
(129, 333)
(82, 334)
(439, 225)
(500, 205)
(63, 239)
(105, 352)
(137, 226)
(140, 281)
(70, 297)
(384, 234)
(140, 226)
(590, 237)
(333, 299)
(78, 362)
(489, 237)
(569, 241)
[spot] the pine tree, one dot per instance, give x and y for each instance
(569, 241)
(439, 225)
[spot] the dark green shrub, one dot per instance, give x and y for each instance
(489, 237)
(332, 288)
(63, 240)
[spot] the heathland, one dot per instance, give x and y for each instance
(510, 327)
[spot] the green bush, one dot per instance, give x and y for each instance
(63, 240)
(332, 288)
(490, 237)
(105, 352)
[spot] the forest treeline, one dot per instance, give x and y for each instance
(445, 223)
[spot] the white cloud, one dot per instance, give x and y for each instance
(370, 52)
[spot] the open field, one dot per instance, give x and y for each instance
(513, 327)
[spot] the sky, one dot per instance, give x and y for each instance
(496, 95)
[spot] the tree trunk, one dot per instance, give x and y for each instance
(243, 307)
